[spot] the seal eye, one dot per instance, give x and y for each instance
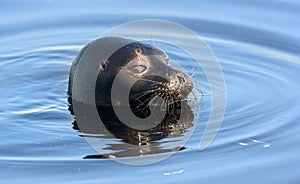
(138, 69)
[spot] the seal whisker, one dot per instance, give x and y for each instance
(149, 80)
(192, 75)
(152, 89)
(143, 102)
(195, 96)
(144, 93)
(192, 72)
(198, 82)
(160, 101)
(153, 99)
(182, 100)
(199, 90)
(161, 105)
(193, 69)
(148, 103)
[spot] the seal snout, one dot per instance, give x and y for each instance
(180, 84)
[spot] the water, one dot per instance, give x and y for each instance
(256, 44)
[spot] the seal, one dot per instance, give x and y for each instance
(145, 72)
(139, 62)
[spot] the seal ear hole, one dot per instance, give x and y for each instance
(103, 65)
(138, 51)
(138, 69)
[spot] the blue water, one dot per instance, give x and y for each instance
(256, 43)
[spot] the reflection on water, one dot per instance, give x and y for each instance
(255, 42)
(177, 121)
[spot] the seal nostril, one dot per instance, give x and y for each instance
(181, 79)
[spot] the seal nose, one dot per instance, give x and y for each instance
(178, 81)
(181, 79)
(183, 84)
(180, 84)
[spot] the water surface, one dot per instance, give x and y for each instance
(256, 44)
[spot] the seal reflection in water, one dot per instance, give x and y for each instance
(153, 77)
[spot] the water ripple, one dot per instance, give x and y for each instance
(257, 48)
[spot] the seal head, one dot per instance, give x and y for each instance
(149, 67)
(145, 64)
